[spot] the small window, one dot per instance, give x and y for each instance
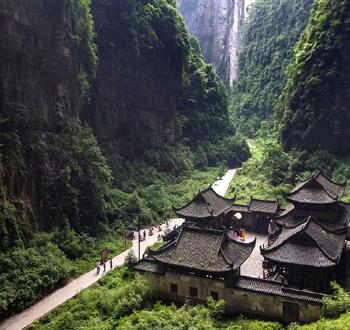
(215, 295)
(173, 287)
(193, 292)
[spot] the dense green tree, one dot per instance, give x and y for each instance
(203, 120)
(272, 29)
(314, 110)
(150, 25)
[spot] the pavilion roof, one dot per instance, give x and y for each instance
(204, 250)
(307, 244)
(238, 208)
(205, 204)
(263, 206)
(318, 189)
(334, 219)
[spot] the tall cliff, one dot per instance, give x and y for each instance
(141, 58)
(52, 171)
(315, 103)
(271, 32)
(59, 104)
(218, 24)
(39, 103)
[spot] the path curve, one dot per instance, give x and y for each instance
(58, 297)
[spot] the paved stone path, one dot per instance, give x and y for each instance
(222, 185)
(45, 305)
(253, 265)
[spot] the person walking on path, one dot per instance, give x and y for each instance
(111, 263)
(98, 265)
(104, 266)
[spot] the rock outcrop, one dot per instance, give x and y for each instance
(218, 24)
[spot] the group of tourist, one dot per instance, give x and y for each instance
(102, 264)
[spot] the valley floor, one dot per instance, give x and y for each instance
(25, 318)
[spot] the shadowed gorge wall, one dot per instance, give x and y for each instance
(39, 100)
(139, 74)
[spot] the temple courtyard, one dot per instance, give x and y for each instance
(253, 265)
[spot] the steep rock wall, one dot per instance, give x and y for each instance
(39, 65)
(45, 72)
(218, 24)
(39, 94)
(136, 86)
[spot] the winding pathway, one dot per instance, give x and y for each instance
(48, 303)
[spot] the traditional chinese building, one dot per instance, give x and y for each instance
(311, 249)
(202, 252)
(206, 209)
(210, 210)
(256, 215)
(198, 263)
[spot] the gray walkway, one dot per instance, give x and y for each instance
(253, 265)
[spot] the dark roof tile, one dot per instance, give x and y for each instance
(264, 206)
(238, 208)
(318, 189)
(204, 250)
(205, 204)
(275, 288)
(292, 247)
(148, 265)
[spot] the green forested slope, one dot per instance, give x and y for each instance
(272, 29)
(203, 119)
(315, 103)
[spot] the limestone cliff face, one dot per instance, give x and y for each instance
(132, 106)
(39, 94)
(135, 91)
(39, 65)
(218, 24)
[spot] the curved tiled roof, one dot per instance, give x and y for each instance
(318, 189)
(334, 220)
(264, 206)
(308, 243)
(148, 265)
(238, 208)
(275, 288)
(204, 250)
(205, 204)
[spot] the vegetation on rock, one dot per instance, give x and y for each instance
(203, 120)
(84, 35)
(314, 106)
(271, 32)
